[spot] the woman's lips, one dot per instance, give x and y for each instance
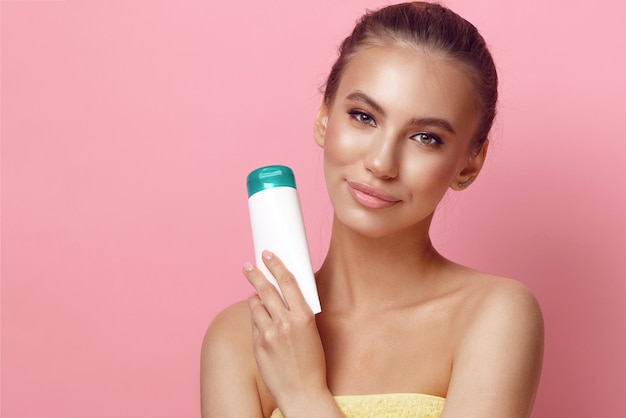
(371, 197)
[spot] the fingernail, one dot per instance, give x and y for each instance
(267, 255)
(248, 266)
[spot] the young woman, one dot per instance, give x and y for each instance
(404, 332)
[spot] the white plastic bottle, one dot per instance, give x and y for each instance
(277, 226)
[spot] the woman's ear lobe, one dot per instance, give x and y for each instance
(319, 129)
(473, 166)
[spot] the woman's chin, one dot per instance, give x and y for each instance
(373, 227)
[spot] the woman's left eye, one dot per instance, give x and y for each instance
(427, 138)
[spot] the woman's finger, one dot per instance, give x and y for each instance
(260, 316)
(286, 282)
(265, 290)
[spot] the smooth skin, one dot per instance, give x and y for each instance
(396, 316)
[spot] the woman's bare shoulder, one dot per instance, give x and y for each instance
(500, 351)
(232, 323)
(228, 369)
(491, 295)
(490, 305)
(229, 338)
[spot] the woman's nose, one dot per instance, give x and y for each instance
(382, 157)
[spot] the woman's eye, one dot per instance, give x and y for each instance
(362, 117)
(427, 139)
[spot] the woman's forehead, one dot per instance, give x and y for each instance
(406, 79)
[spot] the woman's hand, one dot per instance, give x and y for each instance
(287, 344)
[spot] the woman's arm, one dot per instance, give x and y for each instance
(287, 345)
(265, 344)
(498, 362)
(228, 384)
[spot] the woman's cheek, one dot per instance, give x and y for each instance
(343, 146)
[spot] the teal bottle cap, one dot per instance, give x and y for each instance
(269, 177)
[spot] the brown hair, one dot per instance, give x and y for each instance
(428, 27)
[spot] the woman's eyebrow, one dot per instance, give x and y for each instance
(441, 123)
(359, 96)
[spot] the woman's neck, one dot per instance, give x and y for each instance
(362, 271)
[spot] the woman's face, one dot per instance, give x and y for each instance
(397, 135)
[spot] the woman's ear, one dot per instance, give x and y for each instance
(319, 129)
(472, 167)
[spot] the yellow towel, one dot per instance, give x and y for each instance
(400, 405)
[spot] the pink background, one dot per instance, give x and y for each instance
(128, 128)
